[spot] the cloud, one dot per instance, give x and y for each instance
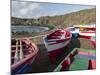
(29, 9)
(24, 9)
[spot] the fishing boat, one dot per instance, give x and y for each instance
(23, 53)
(74, 31)
(55, 42)
(78, 59)
(86, 27)
(86, 31)
(87, 34)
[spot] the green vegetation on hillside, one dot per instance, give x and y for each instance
(86, 16)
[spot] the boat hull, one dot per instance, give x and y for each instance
(55, 46)
(22, 65)
(54, 50)
(78, 59)
(86, 35)
(74, 31)
(75, 35)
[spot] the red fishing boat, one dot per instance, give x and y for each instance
(23, 53)
(56, 41)
(87, 34)
(86, 31)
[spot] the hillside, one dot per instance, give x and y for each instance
(80, 17)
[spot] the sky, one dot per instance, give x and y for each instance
(29, 9)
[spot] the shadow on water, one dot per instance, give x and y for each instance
(42, 61)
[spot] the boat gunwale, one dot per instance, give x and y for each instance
(28, 57)
(68, 37)
(66, 57)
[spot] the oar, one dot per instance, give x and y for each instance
(21, 55)
(16, 57)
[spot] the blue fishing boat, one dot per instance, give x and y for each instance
(74, 31)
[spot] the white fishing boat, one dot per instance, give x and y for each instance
(85, 27)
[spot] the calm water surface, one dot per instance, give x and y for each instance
(29, 29)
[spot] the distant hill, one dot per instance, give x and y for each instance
(86, 16)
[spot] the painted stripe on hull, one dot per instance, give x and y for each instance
(21, 69)
(57, 46)
(87, 53)
(87, 56)
(87, 34)
(58, 41)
